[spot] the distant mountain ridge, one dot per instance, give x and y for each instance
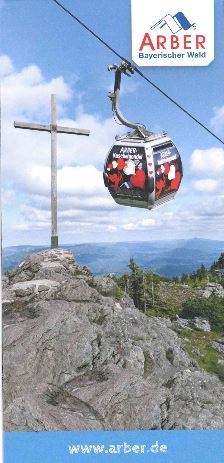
(166, 257)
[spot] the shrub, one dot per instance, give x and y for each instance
(212, 309)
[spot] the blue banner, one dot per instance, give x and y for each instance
(115, 446)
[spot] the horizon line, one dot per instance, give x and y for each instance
(113, 242)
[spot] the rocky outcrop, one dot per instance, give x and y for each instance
(219, 345)
(105, 285)
(200, 324)
(212, 289)
(196, 323)
(75, 359)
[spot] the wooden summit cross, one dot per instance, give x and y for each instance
(53, 128)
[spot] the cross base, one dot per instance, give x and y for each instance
(54, 242)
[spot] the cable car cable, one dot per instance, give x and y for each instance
(138, 71)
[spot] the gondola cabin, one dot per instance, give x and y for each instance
(143, 172)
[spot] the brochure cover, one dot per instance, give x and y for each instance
(112, 231)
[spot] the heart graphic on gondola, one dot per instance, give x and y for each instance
(120, 164)
(115, 179)
(138, 180)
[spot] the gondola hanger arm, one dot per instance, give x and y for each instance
(127, 69)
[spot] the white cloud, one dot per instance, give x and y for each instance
(217, 121)
(111, 229)
(6, 66)
(27, 93)
(144, 224)
(148, 222)
(209, 162)
(212, 209)
(102, 202)
(207, 185)
(7, 197)
(90, 220)
(32, 226)
(81, 180)
(200, 219)
(130, 226)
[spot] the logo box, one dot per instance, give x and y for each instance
(174, 33)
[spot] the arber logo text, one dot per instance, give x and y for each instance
(174, 42)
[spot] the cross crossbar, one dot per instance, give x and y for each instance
(50, 128)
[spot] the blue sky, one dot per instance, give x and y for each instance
(42, 51)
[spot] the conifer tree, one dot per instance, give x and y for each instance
(136, 285)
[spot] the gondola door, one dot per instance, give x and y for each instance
(168, 171)
(126, 176)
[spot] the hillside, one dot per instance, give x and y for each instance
(78, 355)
